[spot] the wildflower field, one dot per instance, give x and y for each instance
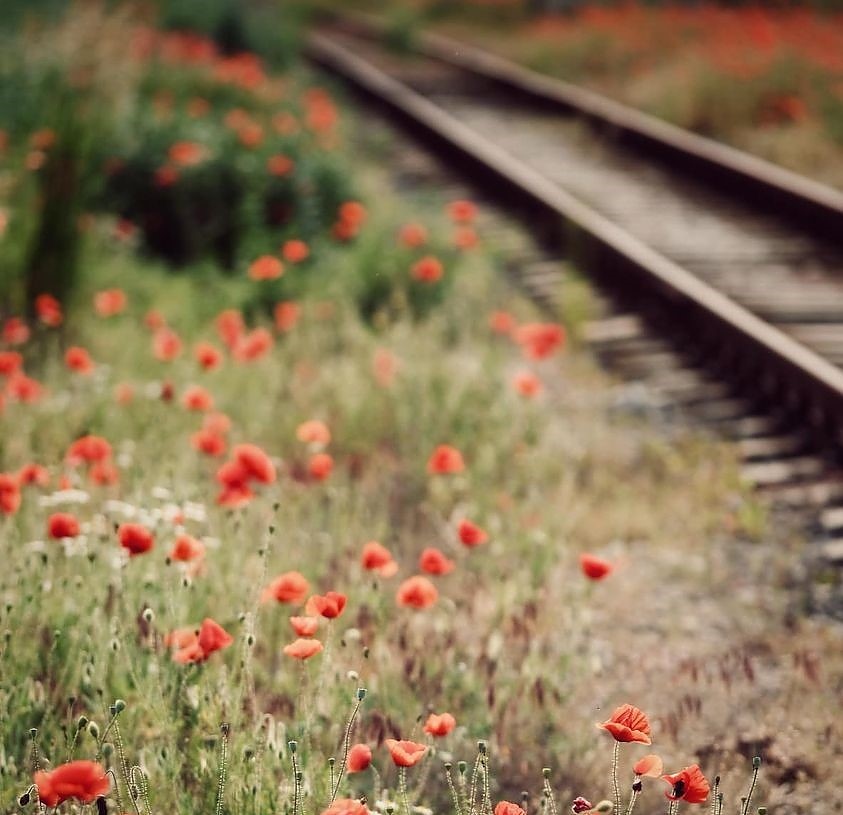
(305, 510)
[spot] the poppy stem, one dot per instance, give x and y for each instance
(548, 791)
(402, 787)
(454, 796)
(296, 776)
(632, 801)
(142, 787)
(616, 790)
(361, 695)
(472, 795)
(714, 790)
(756, 766)
(224, 731)
(124, 764)
(117, 796)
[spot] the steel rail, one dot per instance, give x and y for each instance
(763, 361)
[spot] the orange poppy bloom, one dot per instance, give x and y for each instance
(439, 724)
(109, 302)
(286, 315)
(290, 587)
(87, 449)
(187, 153)
(230, 327)
(305, 626)
(10, 497)
(433, 561)
(48, 310)
(405, 753)
(197, 398)
(62, 525)
(688, 785)
(103, 473)
(427, 270)
(256, 463)
(445, 459)
(135, 538)
(15, 331)
(303, 649)
(470, 534)
(33, 474)
(352, 213)
(320, 466)
(217, 423)
(377, 558)
(527, 384)
(412, 235)
(329, 605)
(346, 806)
(628, 724)
(540, 340)
(253, 345)
(23, 388)
(595, 568)
(313, 432)
(650, 766)
(83, 780)
(187, 548)
(417, 592)
(508, 808)
(462, 211)
(266, 267)
(208, 356)
(212, 637)
(79, 360)
(359, 758)
(166, 344)
(208, 442)
(233, 475)
(295, 251)
(279, 165)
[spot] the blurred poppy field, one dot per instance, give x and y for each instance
(304, 509)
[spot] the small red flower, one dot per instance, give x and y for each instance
(595, 568)
(303, 648)
(405, 753)
(540, 340)
(166, 344)
(417, 592)
(15, 331)
(508, 808)
(266, 267)
(290, 587)
(10, 363)
(230, 327)
(255, 462)
(79, 360)
(688, 785)
(109, 302)
(305, 626)
(462, 211)
(135, 538)
(62, 525)
(197, 398)
(427, 270)
(313, 432)
(320, 466)
(279, 165)
(439, 724)
(445, 459)
(650, 766)
(628, 724)
(48, 310)
(359, 758)
(346, 806)
(286, 314)
(384, 367)
(213, 637)
(527, 384)
(208, 442)
(83, 780)
(501, 322)
(470, 534)
(88, 449)
(412, 235)
(187, 548)
(295, 251)
(253, 345)
(33, 474)
(433, 561)
(208, 356)
(377, 558)
(10, 497)
(329, 605)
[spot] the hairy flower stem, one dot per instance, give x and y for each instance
(124, 765)
(224, 731)
(548, 794)
(616, 790)
(296, 778)
(335, 788)
(142, 785)
(672, 807)
(714, 790)
(454, 795)
(756, 766)
(632, 801)
(402, 787)
(117, 796)
(472, 794)
(487, 792)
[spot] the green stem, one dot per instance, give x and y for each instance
(402, 787)
(616, 790)
(347, 746)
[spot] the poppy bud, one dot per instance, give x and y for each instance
(361, 694)
(462, 767)
(81, 722)
(604, 807)
(756, 762)
(24, 799)
(107, 749)
(94, 730)
(293, 746)
(148, 615)
(546, 772)
(637, 786)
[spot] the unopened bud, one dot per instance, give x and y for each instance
(361, 694)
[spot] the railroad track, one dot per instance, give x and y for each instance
(722, 275)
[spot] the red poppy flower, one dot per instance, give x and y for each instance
(124, 393)
(303, 649)
(255, 462)
(405, 753)
(466, 238)
(540, 340)
(508, 808)
(109, 302)
(427, 270)
(650, 766)
(266, 267)
(83, 780)
(166, 344)
(213, 637)
(377, 558)
(88, 449)
(230, 327)
(320, 466)
(23, 388)
(313, 432)
(62, 525)
(305, 626)
(15, 331)
(253, 345)
(688, 785)
(79, 360)
(290, 587)
(10, 497)
(208, 442)
(187, 548)
(385, 367)
(470, 534)
(135, 538)
(439, 724)
(329, 605)
(527, 384)
(433, 561)
(187, 153)
(295, 251)
(417, 592)
(595, 568)
(10, 363)
(33, 474)
(462, 211)
(217, 423)
(628, 724)
(165, 176)
(208, 356)
(154, 320)
(352, 213)
(359, 758)
(279, 165)
(197, 398)
(286, 314)
(445, 459)
(48, 310)
(346, 806)
(412, 235)
(103, 473)
(233, 474)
